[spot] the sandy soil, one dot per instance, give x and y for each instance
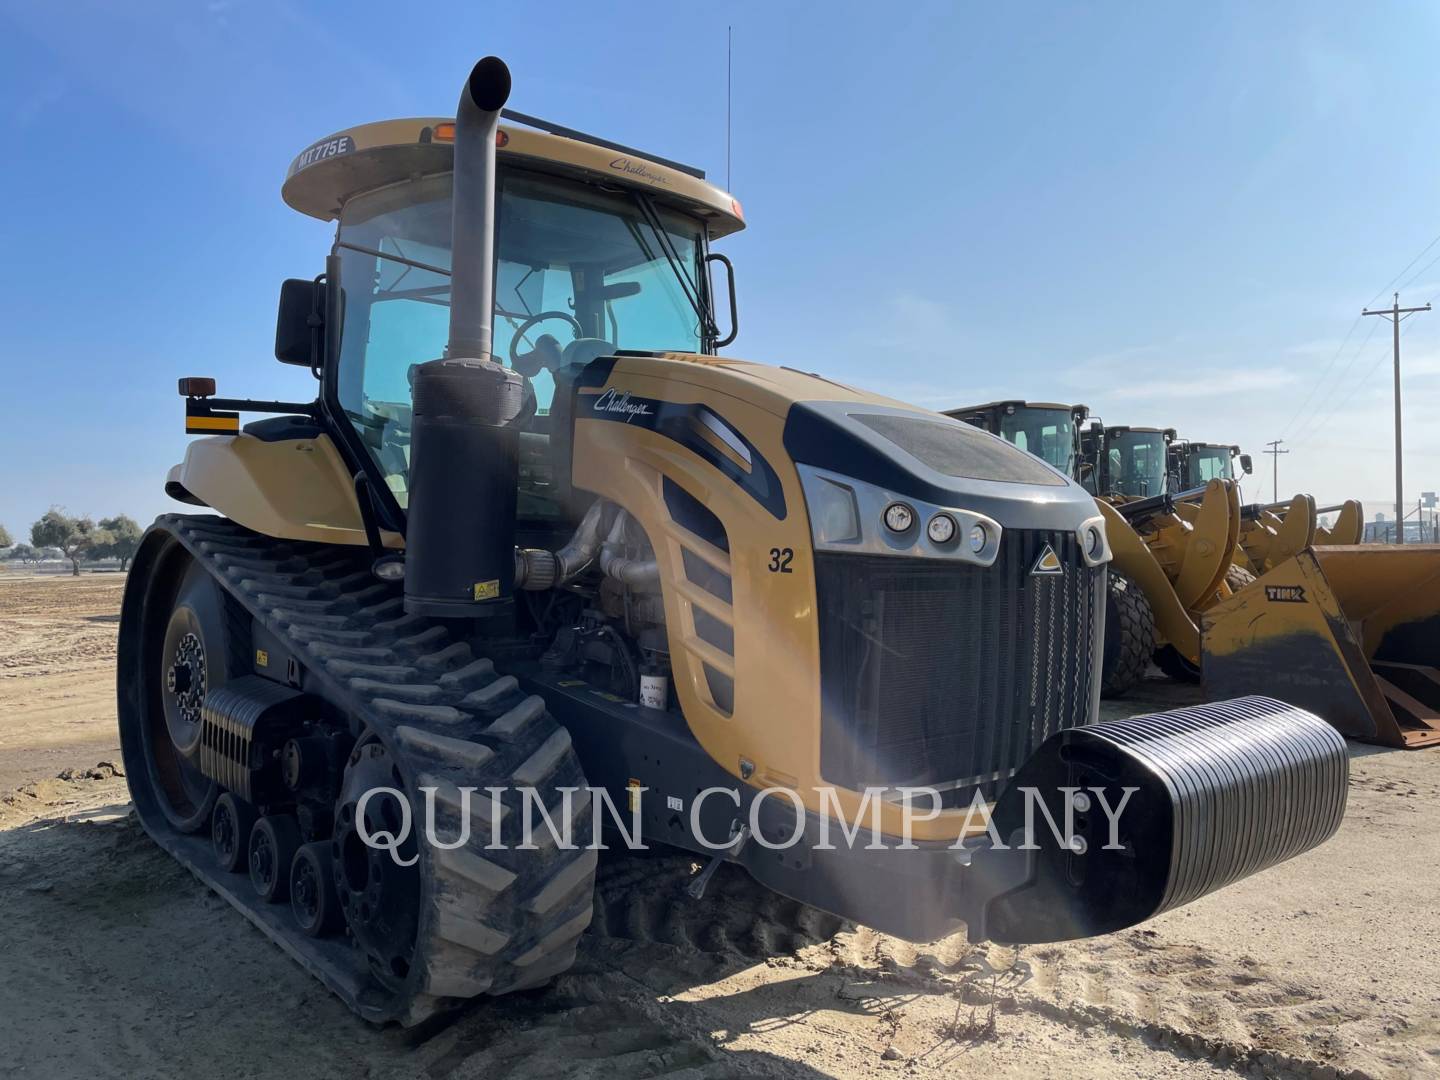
(57, 685)
(118, 963)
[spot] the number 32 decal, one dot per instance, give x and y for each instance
(780, 559)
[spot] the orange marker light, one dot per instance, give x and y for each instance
(735, 205)
(446, 133)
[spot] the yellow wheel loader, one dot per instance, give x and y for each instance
(535, 555)
(1171, 556)
(1250, 596)
(1272, 532)
(1194, 464)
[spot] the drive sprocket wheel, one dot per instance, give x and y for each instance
(194, 657)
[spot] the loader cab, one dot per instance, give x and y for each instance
(1129, 462)
(594, 254)
(1196, 464)
(1048, 430)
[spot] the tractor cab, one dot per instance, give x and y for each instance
(598, 250)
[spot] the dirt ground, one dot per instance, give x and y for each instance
(117, 963)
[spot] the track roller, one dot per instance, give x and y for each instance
(230, 826)
(273, 843)
(312, 890)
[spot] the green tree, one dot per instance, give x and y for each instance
(76, 537)
(5, 540)
(124, 534)
(24, 553)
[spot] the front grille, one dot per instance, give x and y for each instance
(948, 675)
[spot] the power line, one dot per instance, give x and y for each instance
(1386, 287)
(1311, 426)
(1315, 386)
(1416, 276)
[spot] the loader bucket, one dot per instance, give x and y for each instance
(1350, 633)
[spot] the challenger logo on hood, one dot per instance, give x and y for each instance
(1048, 562)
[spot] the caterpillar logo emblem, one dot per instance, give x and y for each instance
(1285, 594)
(1048, 562)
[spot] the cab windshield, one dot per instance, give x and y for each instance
(1135, 464)
(1208, 463)
(580, 273)
(1046, 433)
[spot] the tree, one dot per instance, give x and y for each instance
(24, 553)
(76, 537)
(5, 540)
(124, 541)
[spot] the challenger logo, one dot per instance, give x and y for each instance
(612, 402)
(1048, 562)
(1285, 594)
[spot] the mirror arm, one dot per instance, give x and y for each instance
(715, 256)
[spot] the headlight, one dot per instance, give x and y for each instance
(1094, 544)
(899, 517)
(941, 529)
(853, 516)
(834, 517)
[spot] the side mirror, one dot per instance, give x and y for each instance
(300, 324)
(1247, 464)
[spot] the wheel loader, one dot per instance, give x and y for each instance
(1195, 464)
(535, 540)
(1270, 532)
(1170, 557)
(1248, 596)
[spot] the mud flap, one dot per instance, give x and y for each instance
(1199, 798)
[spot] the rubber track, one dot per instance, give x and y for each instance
(491, 921)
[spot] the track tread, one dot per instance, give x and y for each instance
(491, 921)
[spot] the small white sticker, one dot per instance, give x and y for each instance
(673, 802)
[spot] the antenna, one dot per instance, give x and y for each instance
(728, 31)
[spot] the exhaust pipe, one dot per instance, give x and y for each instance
(460, 527)
(472, 220)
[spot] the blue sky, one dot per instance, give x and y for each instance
(1161, 210)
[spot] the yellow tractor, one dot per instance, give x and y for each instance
(1246, 595)
(535, 557)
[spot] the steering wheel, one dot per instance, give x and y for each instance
(532, 321)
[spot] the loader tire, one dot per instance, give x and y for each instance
(1237, 577)
(1169, 660)
(428, 926)
(1129, 636)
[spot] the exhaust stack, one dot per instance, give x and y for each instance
(460, 528)
(472, 222)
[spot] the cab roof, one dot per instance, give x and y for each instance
(329, 172)
(1019, 404)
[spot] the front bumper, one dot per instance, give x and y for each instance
(1217, 792)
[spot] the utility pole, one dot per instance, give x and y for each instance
(1396, 314)
(1275, 453)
